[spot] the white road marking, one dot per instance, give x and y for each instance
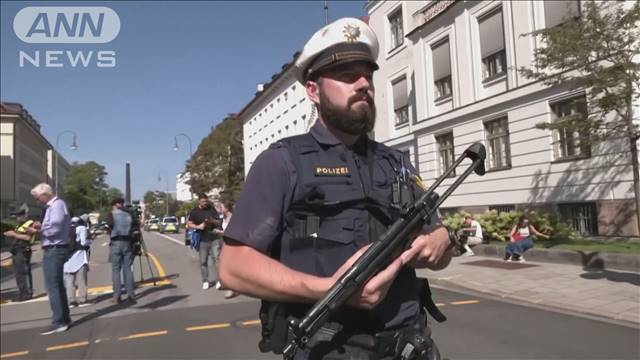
(172, 239)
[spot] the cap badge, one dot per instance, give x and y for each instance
(351, 33)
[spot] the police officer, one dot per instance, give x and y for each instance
(21, 252)
(311, 204)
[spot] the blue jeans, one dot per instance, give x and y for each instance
(121, 259)
(519, 247)
(53, 268)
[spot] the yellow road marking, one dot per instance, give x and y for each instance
(161, 272)
(440, 304)
(206, 327)
(68, 346)
(6, 262)
(14, 354)
(141, 335)
(466, 302)
(251, 322)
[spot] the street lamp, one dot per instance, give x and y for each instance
(74, 146)
(176, 148)
(166, 201)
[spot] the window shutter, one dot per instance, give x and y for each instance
(441, 60)
(400, 96)
(491, 34)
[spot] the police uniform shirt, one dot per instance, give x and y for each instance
(260, 211)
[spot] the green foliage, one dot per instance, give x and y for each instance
(155, 204)
(186, 207)
(594, 52)
(497, 227)
(219, 160)
(85, 189)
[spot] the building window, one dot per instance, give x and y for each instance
(582, 217)
(502, 208)
(395, 26)
(494, 59)
(441, 58)
(497, 133)
(400, 101)
(568, 143)
(445, 153)
(558, 11)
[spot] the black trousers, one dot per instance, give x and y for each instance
(21, 258)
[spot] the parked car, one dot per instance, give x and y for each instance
(169, 224)
(152, 225)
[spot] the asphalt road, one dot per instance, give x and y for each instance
(176, 319)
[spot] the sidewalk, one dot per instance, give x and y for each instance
(601, 293)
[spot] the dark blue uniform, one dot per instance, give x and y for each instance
(312, 202)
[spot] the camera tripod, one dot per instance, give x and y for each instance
(140, 251)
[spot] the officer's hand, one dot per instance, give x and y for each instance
(428, 250)
(374, 290)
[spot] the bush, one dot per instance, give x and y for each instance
(497, 227)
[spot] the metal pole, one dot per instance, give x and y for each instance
(326, 12)
(74, 146)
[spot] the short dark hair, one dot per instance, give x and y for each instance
(117, 201)
(202, 196)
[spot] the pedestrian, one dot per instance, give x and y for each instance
(54, 236)
(23, 237)
(312, 203)
(204, 219)
(120, 225)
(471, 234)
(226, 208)
(76, 268)
(521, 239)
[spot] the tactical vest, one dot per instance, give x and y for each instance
(338, 205)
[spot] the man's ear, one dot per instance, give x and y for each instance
(313, 91)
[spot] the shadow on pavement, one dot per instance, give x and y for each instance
(163, 302)
(116, 307)
(615, 276)
(8, 273)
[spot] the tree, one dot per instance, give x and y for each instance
(84, 187)
(598, 52)
(155, 204)
(219, 160)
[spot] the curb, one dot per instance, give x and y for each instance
(518, 300)
(593, 260)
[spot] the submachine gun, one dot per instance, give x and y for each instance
(380, 253)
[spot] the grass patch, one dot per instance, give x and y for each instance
(585, 245)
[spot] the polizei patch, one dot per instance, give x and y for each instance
(332, 171)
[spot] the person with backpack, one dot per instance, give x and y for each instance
(21, 252)
(521, 240)
(77, 267)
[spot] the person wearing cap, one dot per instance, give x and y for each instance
(54, 235)
(24, 237)
(312, 203)
(120, 224)
(77, 267)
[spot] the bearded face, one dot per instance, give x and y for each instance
(356, 118)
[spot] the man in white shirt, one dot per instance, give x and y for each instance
(473, 233)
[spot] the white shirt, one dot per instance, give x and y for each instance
(476, 225)
(80, 257)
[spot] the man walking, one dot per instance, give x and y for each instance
(204, 219)
(21, 253)
(121, 251)
(54, 233)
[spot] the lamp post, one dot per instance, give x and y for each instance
(166, 200)
(176, 148)
(74, 146)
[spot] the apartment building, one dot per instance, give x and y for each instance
(27, 158)
(448, 79)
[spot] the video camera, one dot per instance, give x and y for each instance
(135, 211)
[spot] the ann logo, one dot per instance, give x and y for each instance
(62, 25)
